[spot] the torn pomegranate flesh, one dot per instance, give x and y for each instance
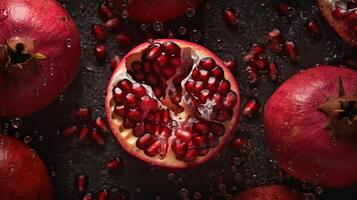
(346, 10)
(172, 104)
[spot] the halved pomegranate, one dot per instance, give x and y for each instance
(273, 192)
(172, 103)
(342, 16)
(311, 125)
(149, 11)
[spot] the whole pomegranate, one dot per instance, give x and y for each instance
(273, 192)
(172, 103)
(342, 16)
(39, 54)
(22, 172)
(311, 126)
(149, 11)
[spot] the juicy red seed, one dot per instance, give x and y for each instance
(351, 18)
(115, 62)
(284, 8)
(113, 24)
(137, 65)
(199, 85)
(313, 28)
(138, 130)
(69, 131)
(339, 13)
(212, 141)
(99, 32)
(231, 64)
(217, 129)
(257, 49)
(203, 75)
(195, 74)
(134, 115)
(157, 68)
(217, 99)
(157, 91)
(165, 133)
(200, 128)
(180, 149)
(212, 84)
(290, 50)
(217, 72)
(274, 34)
(153, 51)
(171, 47)
(248, 57)
(189, 85)
(153, 149)
(143, 141)
(139, 76)
(183, 135)
(88, 196)
(118, 94)
(97, 138)
(354, 28)
(103, 195)
(149, 127)
(124, 39)
(166, 116)
(114, 164)
(239, 144)
(261, 64)
(83, 134)
(175, 98)
(138, 90)
(224, 86)
(175, 62)
(130, 100)
(252, 75)
(202, 152)
(229, 16)
(119, 110)
(82, 113)
(148, 103)
(230, 100)
(125, 85)
(207, 63)
(100, 51)
(152, 79)
(105, 11)
(101, 125)
(199, 141)
(161, 60)
(191, 155)
(202, 98)
(224, 115)
(250, 107)
(127, 123)
(273, 72)
(82, 183)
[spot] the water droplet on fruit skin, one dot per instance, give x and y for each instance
(27, 139)
(16, 123)
(182, 30)
(68, 43)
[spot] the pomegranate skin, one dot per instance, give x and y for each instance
(272, 192)
(55, 36)
(149, 11)
(296, 133)
(23, 175)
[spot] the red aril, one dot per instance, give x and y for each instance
(23, 175)
(181, 119)
(38, 62)
(149, 11)
(230, 17)
(311, 124)
(273, 192)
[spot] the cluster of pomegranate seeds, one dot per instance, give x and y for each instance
(347, 11)
(84, 126)
(230, 17)
(277, 44)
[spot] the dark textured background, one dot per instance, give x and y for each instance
(67, 158)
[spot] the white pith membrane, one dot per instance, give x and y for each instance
(178, 119)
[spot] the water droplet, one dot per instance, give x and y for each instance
(27, 139)
(197, 195)
(53, 173)
(158, 26)
(182, 30)
(143, 27)
(125, 14)
(68, 43)
(171, 176)
(16, 123)
(195, 35)
(190, 12)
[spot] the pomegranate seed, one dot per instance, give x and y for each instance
(199, 141)
(195, 74)
(207, 63)
(230, 17)
(273, 72)
(153, 51)
(103, 194)
(284, 8)
(274, 34)
(83, 134)
(261, 64)
(105, 12)
(166, 116)
(127, 123)
(152, 79)
(144, 141)
(183, 135)
(157, 91)
(239, 144)
(124, 39)
(212, 84)
(82, 183)
(162, 59)
(153, 149)
(351, 18)
(224, 115)
(218, 72)
(217, 129)
(99, 32)
(166, 132)
(257, 49)
(97, 138)
(231, 64)
(199, 85)
(69, 131)
(290, 50)
(191, 155)
(212, 141)
(200, 128)
(175, 62)
(189, 85)
(138, 130)
(339, 13)
(203, 96)
(180, 149)
(115, 62)
(113, 25)
(138, 90)
(119, 110)
(82, 113)
(88, 196)
(125, 85)
(252, 75)
(134, 115)
(230, 100)
(171, 47)
(118, 94)
(137, 65)
(114, 164)
(354, 28)
(101, 125)
(224, 86)
(100, 51)
(130, 100)
(314, 29)
(250, 107)
(203, 75)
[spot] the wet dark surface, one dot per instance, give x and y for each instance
(67, 158)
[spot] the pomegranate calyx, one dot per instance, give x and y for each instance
(17, 55)
(342, 112)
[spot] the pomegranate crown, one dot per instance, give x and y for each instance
(342, 112)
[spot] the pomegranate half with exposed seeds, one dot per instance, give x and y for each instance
(39, 54)
(342, 16)
(172, 103)
(23, 175)
(311, 126)
(273, 192)
(149, 11)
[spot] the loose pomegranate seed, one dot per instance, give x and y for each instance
(239, 144)
(114, 62)
(313, 28)
(82, 183)
(97, 138)
(100, 51)
(88, 196)
(99, 32)
(231, 64)
(290, 50)
(124, 39)
(105, 12)
(113, 25)
(275, 40)
(83, 133)
(284, 8)
(230, 17)
(250, 107)
(101, 125)
(274, 34)
(82, 113)
(103, 194)
(114, 164)
(339, 13)
(69, 131)
(273, 72)
(251, 75)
